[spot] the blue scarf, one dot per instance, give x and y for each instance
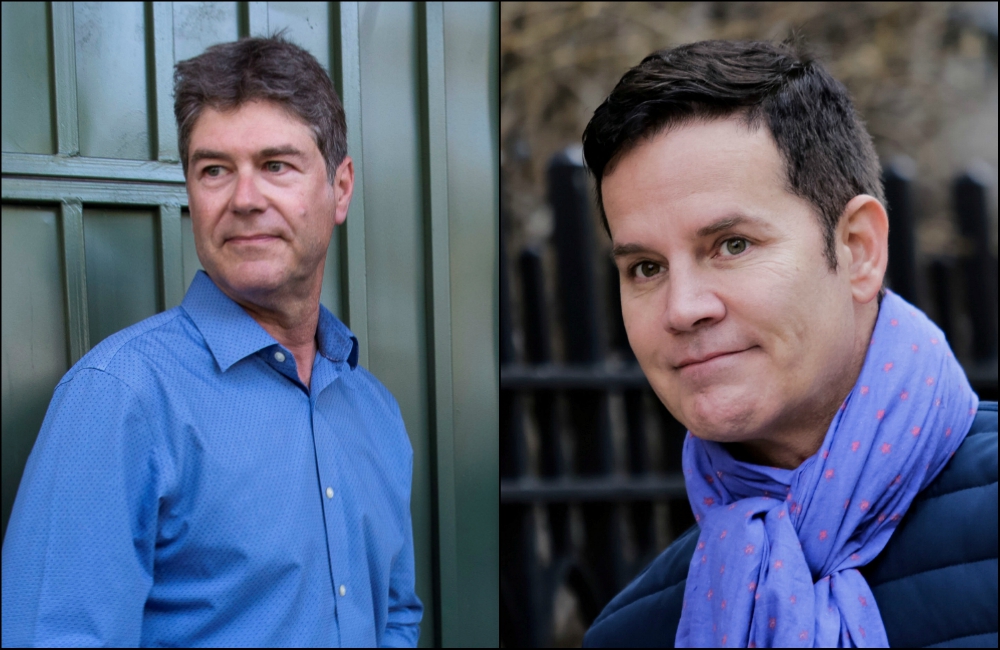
(778, 555)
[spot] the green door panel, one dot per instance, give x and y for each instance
(307, 23)
(34, 332)
(111, 80)
(27, 104)
(121, 269)
(197, 25)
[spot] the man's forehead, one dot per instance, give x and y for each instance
(703, 169)
(717, 150)
(260, 130)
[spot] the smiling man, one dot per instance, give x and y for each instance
(841, 469)
(225, 473)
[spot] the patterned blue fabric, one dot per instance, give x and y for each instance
(187, 490)
(777, 556)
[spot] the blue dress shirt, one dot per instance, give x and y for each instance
(186, 489)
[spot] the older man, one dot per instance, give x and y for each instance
(225, 473)
(840, 467)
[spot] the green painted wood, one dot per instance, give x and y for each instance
(438, 296)
(122, 280)
(257, 18)
(163, 84)
(470, 70)
(75, 279)
(28, 106)
(352, 238)
(413, 272)
(58, 189)
(101, 168)
(189, 256)
(395, 254)
(197, 25)
(64, 78)
(112, 89)
(34, 330)
(171, 251)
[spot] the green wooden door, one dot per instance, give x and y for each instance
(96, 234)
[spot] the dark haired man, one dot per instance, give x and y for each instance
(841, 469)
(225, 473)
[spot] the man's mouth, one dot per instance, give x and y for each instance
(251, 239)
(690, 362)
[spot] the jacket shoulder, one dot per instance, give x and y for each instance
(647, 611)
(936, 580)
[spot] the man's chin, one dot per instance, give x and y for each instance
(722, 414)
(251, 279)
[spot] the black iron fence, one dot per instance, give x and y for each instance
(591, 488)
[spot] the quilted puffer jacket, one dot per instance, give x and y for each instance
(935, 582)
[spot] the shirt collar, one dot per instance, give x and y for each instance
(232, 334)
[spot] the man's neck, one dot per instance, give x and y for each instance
(298, 334)
(292, 321)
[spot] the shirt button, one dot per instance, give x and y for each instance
(343, 590)
(279, 357)
(329, 493)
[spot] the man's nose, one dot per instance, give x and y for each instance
(247, 197)
(690, 301)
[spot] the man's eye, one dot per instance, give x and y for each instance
(208, 170)
(275, 162)
(646, 269)
(734, 246)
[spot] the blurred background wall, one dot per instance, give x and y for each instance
(924, 78)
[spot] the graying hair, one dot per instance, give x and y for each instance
(228, 75)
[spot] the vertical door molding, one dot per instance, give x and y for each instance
(171, 255)
(352, 240)
(430, 25)
(75, 278)
(64, 73)
(163, 69)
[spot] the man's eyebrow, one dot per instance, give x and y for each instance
(729, 222)
(270, 152)
(621, 250)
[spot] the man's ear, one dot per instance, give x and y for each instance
(863, 237)
(343, 188)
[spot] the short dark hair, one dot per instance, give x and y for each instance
(228, 75)
(828, 154)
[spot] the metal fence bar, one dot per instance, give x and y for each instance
(898, 179)
(603, 488)
(588, 409)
